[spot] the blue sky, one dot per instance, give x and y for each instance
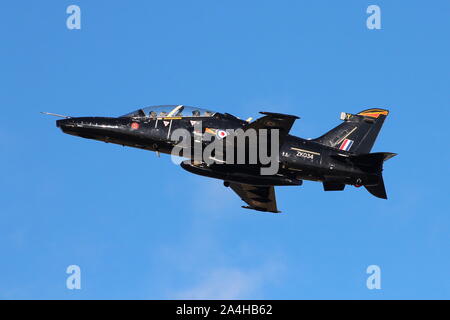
(142, 228)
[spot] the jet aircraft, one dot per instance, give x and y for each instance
(338, 158)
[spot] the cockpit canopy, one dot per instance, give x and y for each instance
(164, 111)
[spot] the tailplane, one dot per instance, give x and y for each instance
(357, 133)
(378, 189)
(372, 163)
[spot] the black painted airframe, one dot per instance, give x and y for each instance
(338, 158)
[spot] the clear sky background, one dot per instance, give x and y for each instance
(142, 228)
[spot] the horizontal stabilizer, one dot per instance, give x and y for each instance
(374, 161)
(378, 190)
(373, 157)
(372, 164)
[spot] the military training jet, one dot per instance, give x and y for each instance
(338, 158)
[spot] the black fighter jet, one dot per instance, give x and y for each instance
(338, 158)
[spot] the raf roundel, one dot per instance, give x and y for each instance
(134, 125)
(221, 134)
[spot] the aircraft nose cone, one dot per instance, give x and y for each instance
(71, 125)
(84, 122)
(64, 122)
(88, 127)
(76, 123)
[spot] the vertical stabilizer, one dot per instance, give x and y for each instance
(357, 133)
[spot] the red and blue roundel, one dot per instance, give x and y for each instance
(134, 125)
(221, 134)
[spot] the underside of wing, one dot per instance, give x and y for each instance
(261, 198)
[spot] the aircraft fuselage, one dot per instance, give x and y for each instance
(299, 158)
(338, 158)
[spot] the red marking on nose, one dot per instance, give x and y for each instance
(134, 125)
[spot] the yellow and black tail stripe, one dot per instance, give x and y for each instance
(373, 113)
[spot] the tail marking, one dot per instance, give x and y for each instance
(346, 145)
(374, 113)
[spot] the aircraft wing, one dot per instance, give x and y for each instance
(261, 198)
(271, 120)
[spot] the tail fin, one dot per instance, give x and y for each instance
(357, 133)
(372, 163)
